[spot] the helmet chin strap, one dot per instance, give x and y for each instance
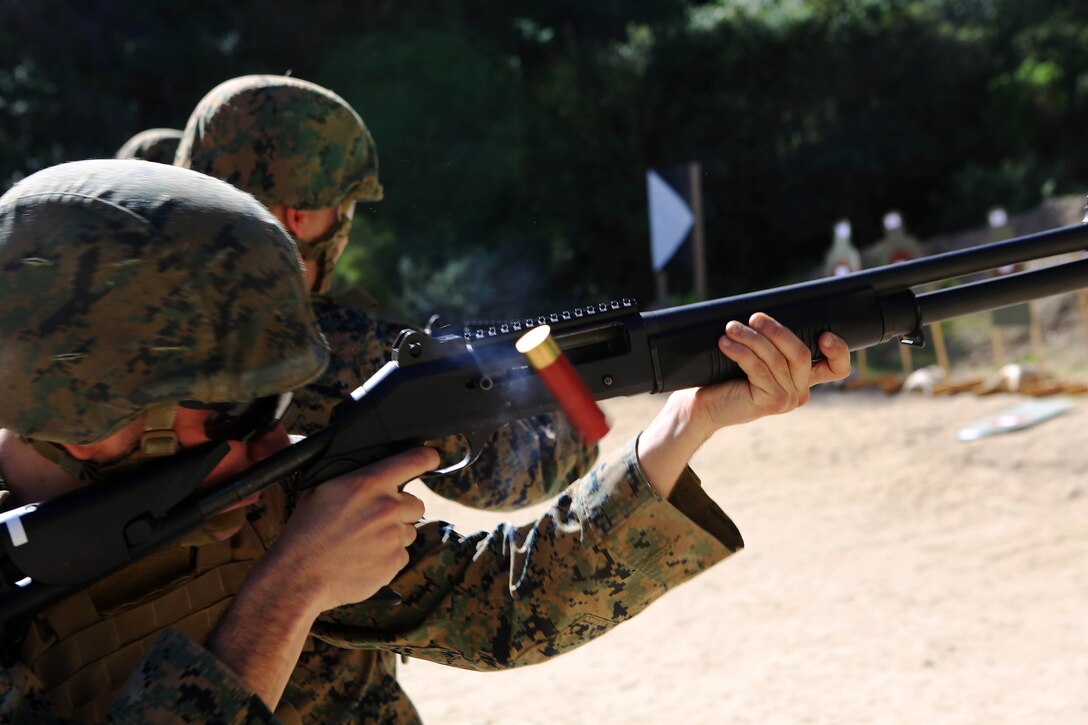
(323, 252)
(158, 440)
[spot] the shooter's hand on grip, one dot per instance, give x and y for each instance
(779, 371)
(344, 541)
(348, 536)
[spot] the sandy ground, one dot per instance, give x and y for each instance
(893, 575)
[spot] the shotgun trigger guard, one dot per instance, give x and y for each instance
(476, 441)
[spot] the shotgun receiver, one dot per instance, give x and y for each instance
(471, 381)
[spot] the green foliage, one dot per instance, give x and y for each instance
(514, 137)
(370, 253)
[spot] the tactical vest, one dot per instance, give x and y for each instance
(84, 648)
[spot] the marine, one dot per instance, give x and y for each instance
(306, 154)
(142, 304)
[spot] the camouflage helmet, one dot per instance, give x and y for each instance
(126, 285)
(154, 144)
(288, 142)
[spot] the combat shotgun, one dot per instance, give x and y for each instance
(472, 381)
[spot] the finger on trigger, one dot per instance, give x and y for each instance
(412, 508)
(405, 466)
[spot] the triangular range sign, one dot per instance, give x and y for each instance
(670, 220)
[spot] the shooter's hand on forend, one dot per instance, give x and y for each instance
(779, 373)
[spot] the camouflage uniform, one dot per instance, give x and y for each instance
(154, 144)
(501, 598)
(293, 143)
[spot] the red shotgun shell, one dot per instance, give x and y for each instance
(563, 380)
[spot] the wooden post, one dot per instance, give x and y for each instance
(698, 238)
(1036, 331)
(1082, 303)
(905, 358)
(940, 348)
(999, 345)
(863, 364)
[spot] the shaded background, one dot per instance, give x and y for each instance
(514, 137)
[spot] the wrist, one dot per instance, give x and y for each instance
(262, 633)
(669, 441)
(283, 588)
(678, 424)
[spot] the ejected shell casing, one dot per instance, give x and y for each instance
(563, 380)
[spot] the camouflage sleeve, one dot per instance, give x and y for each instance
(360, 345)
(524, 463)
(179, 681)
(22, 697)
(514, 596)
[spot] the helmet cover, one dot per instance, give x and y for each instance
(124, 284)
(285, 140)
(154, 144)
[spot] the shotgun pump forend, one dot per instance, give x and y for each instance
(472, 381)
